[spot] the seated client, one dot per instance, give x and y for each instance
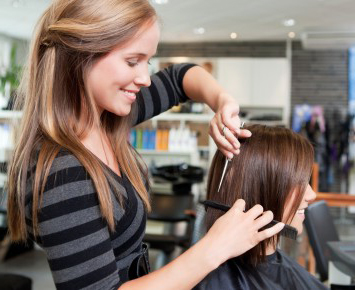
(273, 169)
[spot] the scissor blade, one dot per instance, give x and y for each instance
(223, 173)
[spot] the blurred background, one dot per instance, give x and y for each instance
(288, 63)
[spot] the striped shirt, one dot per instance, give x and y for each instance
(81, 251)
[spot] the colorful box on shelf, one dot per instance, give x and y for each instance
(173, 140)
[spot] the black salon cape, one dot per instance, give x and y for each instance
(279, 272)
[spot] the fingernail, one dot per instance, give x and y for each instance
(230, 155)
(247, 133)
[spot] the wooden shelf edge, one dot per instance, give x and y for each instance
(336, 199)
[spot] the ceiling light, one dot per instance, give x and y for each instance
(291, 34)
(289, 22)
(234, 35)
(161, 2)
(199, 30)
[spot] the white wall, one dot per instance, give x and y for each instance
(257, 82)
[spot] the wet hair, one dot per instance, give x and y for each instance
(273, 163)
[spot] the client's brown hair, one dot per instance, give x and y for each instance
(271, 165)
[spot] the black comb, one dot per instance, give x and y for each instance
(287, 231)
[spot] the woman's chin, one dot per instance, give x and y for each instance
(299, 231)
(297, 223)
(122, 112)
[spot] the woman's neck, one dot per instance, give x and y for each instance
(270, 249)
(92, 141)
(98, 143)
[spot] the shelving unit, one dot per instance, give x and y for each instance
(169, 157)
(10, 115)
(173, 157)
(7, 117)
(183, 118)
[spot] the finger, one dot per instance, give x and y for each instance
(233, 140)
(219, 123)
(230, 118)
(269, 232)
(264, 219)
(220, 140)
(233, 124)
(244, 133)
(239, 205)
(228, 154)
(255, 211)
(216, 127)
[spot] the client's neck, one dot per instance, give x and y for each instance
(270, 249)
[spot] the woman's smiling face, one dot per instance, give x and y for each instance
(297, 220)
(116, 78)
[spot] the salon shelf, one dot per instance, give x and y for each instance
(3, 178)
(206, 118)
(184, 117)
(8, 114)
(163, 152)
(161, 157)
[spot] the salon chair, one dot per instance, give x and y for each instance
(15, 282)
(171, 209)
(321, 230)
(175, 208)
(181, 176)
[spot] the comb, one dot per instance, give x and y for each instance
(288, 231)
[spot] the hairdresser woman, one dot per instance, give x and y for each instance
(76, 186)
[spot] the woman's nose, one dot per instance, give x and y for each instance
(143, 78)
(310, 194)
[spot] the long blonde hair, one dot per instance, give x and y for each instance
(53, 95)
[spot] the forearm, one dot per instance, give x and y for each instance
(182, 273)
(231, 235)
(201, 86)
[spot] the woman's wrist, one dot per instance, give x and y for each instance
(223, 99)
(211, 258)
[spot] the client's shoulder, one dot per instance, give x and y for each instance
(227, 276)
(292, 273)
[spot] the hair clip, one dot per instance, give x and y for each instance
(46, 42)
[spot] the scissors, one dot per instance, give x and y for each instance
(226, 162)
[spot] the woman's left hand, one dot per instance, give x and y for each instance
(225, 126)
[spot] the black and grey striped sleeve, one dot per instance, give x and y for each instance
(72, 231)
(165, 91)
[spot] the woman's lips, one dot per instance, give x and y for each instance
(131, 95)
(300, 213)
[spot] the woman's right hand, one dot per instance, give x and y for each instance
(237, 231)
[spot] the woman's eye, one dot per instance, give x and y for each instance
(132, 63)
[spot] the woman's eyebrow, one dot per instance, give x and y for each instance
(139, 54)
